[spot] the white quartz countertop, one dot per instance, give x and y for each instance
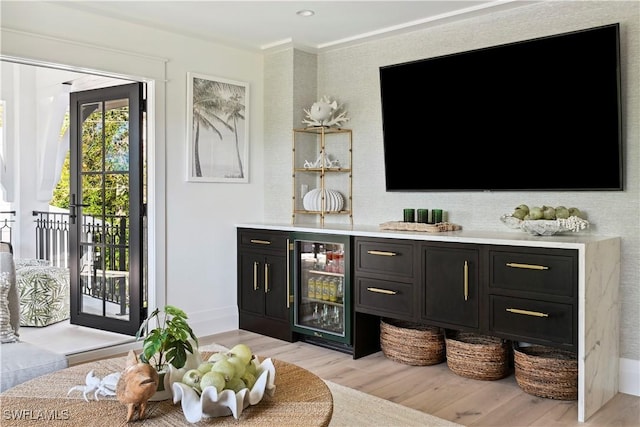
(567, 240)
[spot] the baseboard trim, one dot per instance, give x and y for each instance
(103, 353)
(629, 376)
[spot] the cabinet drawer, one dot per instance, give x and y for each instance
(263, 240)
(384, 298)
(532, 320)
(385, 257)
(539, 271)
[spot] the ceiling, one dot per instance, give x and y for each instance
(268, 25)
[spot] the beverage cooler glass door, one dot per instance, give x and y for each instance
(321, 292)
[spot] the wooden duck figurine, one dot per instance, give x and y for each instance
(137, 383)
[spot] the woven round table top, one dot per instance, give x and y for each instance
(301, 399)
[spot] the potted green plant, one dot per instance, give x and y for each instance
(169, 341)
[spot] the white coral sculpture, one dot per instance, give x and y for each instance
(323, 113)
(99, 387)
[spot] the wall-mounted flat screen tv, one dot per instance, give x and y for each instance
(535, 115)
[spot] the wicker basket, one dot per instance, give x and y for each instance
(478, 357)
(546, 372)
(412, 343)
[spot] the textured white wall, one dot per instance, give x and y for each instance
(291, 77)
(351, 74)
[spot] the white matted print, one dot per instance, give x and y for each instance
(217, 129)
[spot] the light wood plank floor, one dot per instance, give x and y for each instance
(435, 389)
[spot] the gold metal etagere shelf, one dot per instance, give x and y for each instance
(313, 141)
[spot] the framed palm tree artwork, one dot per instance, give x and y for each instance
(217, 129)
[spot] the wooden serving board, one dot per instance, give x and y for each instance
(419, 226)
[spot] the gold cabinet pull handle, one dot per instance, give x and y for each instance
(466, 280)
(260, 242)
(255, 275)
(527, 312)
(382, 253)
(528, 266)
(266, 278)
(290, 247)
(382, 291)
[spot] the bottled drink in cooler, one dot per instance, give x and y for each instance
(311, 287)
(333, 287)
(340, 290)
(337, 319)
(326, 284)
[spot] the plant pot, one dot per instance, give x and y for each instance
(170, 374)
(164, 387)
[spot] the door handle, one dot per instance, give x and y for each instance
(527, 266)
(527, 312)
(466, 281)
(255, 276)
(382, 291)
(260, 242)
(288, 273)
(382, 253)
(72, 208)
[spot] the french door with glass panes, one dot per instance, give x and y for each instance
(106, 246)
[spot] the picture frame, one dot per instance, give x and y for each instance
(217, 129)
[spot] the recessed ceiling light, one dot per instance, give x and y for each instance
(305, 12)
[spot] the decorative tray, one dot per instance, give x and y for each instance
(419, 226)
(213, 404)
(541, 227)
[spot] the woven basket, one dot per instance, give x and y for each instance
(478, 357)
(546, 372)
(412, 343)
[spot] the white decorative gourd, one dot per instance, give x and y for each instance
(312, 201)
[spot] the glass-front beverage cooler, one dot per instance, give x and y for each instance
(321, 289)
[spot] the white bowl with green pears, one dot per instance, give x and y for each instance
(546, 220)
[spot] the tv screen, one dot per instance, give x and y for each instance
(536, 115)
